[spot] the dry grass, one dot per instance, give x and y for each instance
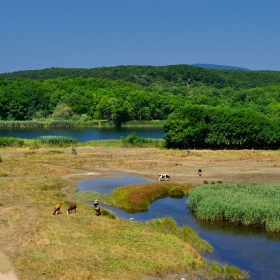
(83, 246)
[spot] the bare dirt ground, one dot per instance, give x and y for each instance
(240, 166)
(237, 167)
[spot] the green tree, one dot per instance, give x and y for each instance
(62, 112)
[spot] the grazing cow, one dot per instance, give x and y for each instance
(163, 177)
(56, 209)
(97, 207)
(72, 208)
(199, 172)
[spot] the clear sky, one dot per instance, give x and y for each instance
(38, 34)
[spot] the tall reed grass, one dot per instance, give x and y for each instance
(244, 204)
(151, 123)
(61, 141)
(36, 124)
(79, 123)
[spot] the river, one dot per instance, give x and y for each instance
(249, 248)
(83, 134)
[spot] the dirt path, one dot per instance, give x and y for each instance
(6, 269)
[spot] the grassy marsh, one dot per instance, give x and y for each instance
(83, 246)
(244, 204)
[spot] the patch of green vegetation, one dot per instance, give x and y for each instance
(219, 271)
(135, 141)
(245, 204)
(11, 142)
(61, 141)
(139, 197)
(168, 225)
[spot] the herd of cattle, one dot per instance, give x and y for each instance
(72, 208)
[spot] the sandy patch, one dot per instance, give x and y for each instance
(8, 276)
(6, 270)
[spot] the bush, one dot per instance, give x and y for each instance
(135, 141)
(11, 142)
(74, 151)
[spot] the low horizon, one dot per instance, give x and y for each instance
(202, 65)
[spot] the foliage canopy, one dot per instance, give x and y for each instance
(202, 107)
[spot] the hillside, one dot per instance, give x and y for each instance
(177, 75)
(201, 107)
(222, 67)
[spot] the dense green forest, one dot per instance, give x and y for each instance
(202, 107)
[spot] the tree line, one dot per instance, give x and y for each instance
(171, 75)
(196, 126)
(202, 107)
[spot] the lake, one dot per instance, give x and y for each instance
(83, 134)
(249, 248)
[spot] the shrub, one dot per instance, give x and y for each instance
(74, 151)
(11, 142)
(135, 141)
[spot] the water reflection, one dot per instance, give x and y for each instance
(83, 134)
(249, 248)
(106, 185)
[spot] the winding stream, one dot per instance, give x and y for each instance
(249, 248)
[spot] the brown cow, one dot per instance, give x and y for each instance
(72, 208)
(56, 209)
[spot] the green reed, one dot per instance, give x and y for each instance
(244, 204)
(36, 124)
(11, 142)
(168, 225)
(57, 140)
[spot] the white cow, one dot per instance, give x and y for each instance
(163, 177)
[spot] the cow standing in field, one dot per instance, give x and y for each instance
(56, 209)
(163, 177)
(72, 208)
(199, 172)
(97, 208)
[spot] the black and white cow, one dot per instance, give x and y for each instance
(163, 177)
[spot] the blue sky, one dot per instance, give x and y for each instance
(38, 34)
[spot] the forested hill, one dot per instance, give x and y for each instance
(177, 75)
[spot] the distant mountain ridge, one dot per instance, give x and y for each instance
(222, 67)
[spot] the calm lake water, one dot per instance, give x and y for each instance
(249, 248)
(83, 134)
